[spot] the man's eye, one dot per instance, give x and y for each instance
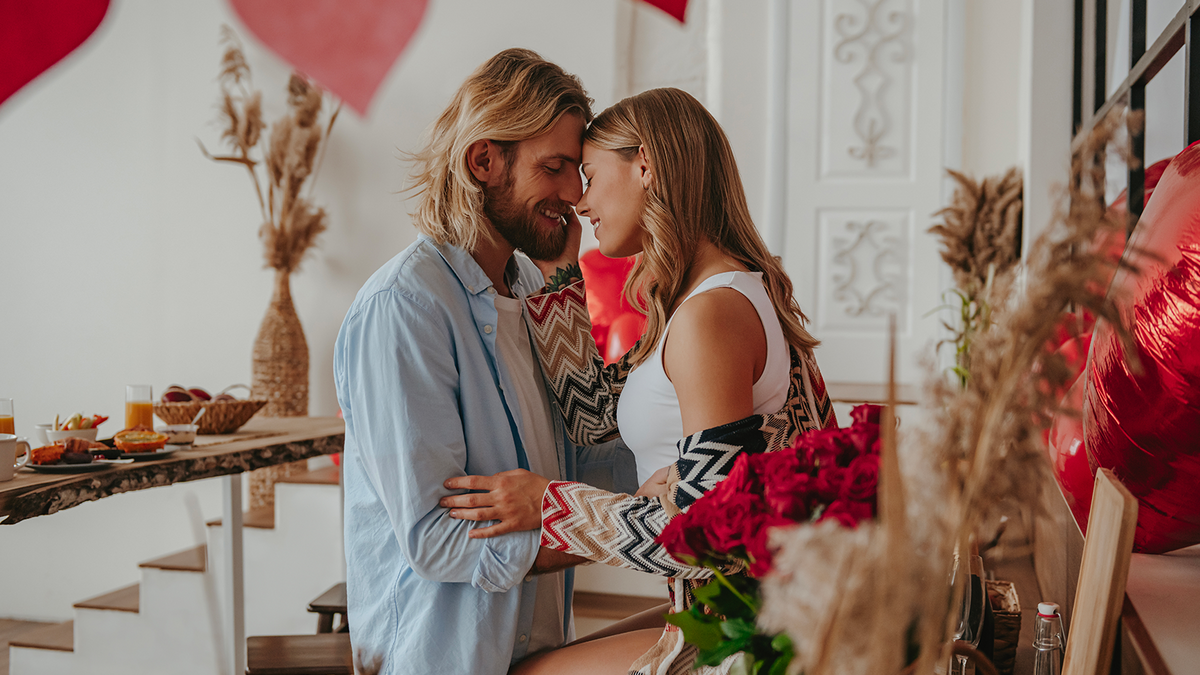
(553, 169)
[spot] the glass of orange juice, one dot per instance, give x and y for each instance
(7, 425)
(139, 407)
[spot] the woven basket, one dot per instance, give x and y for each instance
(220, 417)
(1006, 608)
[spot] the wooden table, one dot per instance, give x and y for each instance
(261, 442)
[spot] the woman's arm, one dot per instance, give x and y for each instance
(587, 391)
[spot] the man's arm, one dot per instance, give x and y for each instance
(402, 384)
(548, 560)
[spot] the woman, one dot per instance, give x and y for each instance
(725, 365)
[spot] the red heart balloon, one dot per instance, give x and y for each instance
(347, 46)
(37, 35)
(1145, 426)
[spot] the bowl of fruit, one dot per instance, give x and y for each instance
(76, 426)
(223, 413)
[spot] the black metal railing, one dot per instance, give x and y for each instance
(1181, 33)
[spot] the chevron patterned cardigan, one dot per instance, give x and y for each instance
(619, 529)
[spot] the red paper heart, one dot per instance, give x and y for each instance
(676, 8)
(36, 35)
(347, 46)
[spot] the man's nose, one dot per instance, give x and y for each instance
(572, 189)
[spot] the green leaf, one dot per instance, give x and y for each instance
(702, 630)
(723, 601)
(738, 629)
(781, 664)
(722, 651)
(782, 643)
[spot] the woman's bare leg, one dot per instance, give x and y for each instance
(610, 655)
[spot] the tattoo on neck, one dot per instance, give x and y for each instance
(563, 277)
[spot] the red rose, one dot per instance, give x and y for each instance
(741, 478)
(757, 548)
(733, 519)
(769, 465)
(675, 539)
(847, 513)
(827, 484)
(821, 447)
(864, 438)
(789, 495)
(862, 479)
(866, 414)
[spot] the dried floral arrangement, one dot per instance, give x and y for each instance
(859, 601)
(981, 239)
(291, 155)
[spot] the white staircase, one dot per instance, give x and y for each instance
(167, 622)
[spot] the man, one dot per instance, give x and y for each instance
(437, 378)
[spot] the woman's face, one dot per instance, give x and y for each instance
(613, 200)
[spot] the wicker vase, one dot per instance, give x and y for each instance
(280, 376)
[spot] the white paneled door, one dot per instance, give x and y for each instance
(866, 152)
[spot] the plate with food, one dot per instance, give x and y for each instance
(140, 441)
(71, 455)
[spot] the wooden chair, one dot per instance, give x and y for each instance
(330, 603)
(1100, 593)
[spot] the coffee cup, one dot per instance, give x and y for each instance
(39, 433)
(8, 456)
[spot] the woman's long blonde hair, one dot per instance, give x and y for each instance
(695, 194)
(514, 96)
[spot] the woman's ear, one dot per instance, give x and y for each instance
(483, 159)
(642, 165)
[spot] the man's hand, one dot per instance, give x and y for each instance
(655, 485)
(564, 270)
(512, 497)
(548, 560)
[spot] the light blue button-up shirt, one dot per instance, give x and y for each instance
(426, 398)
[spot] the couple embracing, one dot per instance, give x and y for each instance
(489, 450)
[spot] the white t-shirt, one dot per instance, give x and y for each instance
(648, 412)
(537, 436)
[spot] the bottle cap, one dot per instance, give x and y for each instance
(1047, 609)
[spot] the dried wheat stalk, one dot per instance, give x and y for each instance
(291, 223)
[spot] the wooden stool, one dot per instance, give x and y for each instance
(328, 654)
(329, 603)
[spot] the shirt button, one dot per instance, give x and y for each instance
(528, 577)
(522, 638)
(492, 290)
(488, 329)
(471, 288)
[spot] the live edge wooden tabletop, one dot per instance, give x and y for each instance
(259, 443)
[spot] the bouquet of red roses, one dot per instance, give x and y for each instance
(828, 474)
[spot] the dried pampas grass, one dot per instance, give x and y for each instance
(981, 229)
(294, 149)
(858, 601)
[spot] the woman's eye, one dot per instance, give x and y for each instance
(586, 183)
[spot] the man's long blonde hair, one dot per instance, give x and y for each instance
(695, 194)
(514, 96)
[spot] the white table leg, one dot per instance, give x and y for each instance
(235, 624)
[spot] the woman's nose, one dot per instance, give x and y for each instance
(581, 207)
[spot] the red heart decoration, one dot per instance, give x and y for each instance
(347, 46)
(36, 35)
(1145, 425)
(676, 8)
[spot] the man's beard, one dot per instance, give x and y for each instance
(519, 226)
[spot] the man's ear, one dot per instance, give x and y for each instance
(484, 161)
(642, 167)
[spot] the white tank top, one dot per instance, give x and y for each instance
(648, 414)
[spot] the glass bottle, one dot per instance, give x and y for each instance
(1048, 641)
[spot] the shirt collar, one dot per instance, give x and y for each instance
(470, 274)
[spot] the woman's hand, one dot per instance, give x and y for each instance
(656, 485)
(512, 497)
(564, 270)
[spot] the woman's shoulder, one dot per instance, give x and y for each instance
(717, 315)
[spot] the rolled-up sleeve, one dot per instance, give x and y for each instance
(401, 375)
